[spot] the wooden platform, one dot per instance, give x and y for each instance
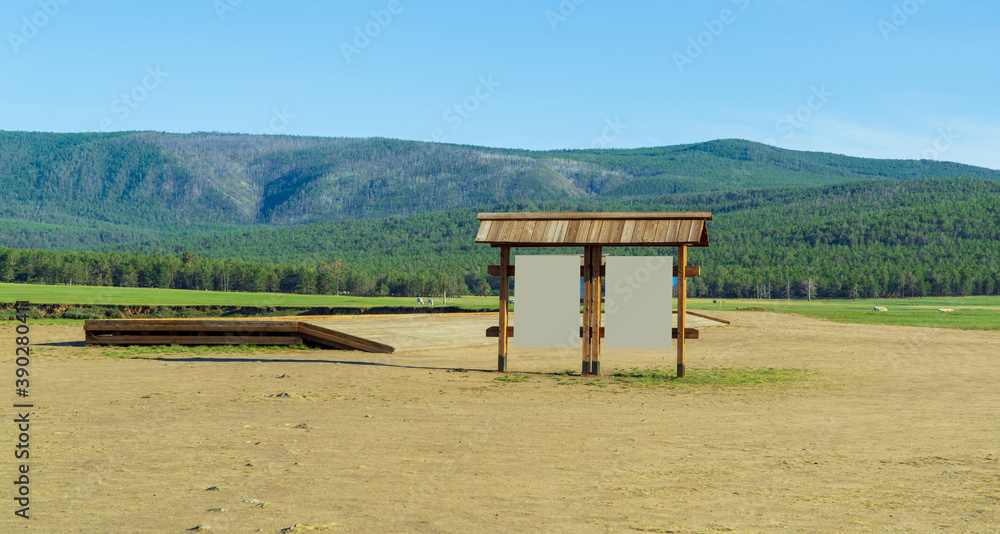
(223, 332)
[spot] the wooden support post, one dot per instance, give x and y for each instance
(681, 306)
(504, 299)
(592, 310)
(595, 303)
(587, 312)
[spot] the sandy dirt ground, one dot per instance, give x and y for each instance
(897, 431)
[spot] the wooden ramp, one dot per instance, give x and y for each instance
(222, 332)
(339, 340)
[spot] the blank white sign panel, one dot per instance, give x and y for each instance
(547, 302)
(638, 293)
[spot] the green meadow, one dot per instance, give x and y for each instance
(975, 313)
(134, 296)
(971, 313)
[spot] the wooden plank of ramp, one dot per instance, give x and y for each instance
(222, 332)
(192, 340)
(703, 316)
(188, 325)
(340, 340)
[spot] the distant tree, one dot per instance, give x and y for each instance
(809, 288)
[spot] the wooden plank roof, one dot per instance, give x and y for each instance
(568, 229)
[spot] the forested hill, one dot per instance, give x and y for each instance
(107, 187)
(902, 238)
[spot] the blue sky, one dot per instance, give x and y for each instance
(875, 78)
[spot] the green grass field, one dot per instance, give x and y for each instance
(971, 313)
(977, 313)
(44, 294)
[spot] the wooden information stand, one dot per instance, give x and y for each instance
(593, 231)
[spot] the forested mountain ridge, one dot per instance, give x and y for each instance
(381, 216)
(154, 179)
(727, 164)
(167, 184)
(901, 238)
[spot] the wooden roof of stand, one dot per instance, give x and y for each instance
(570, 229)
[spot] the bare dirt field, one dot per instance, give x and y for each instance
(898, 430)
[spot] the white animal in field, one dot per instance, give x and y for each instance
(945, 310)
(420, 300)
(510, 300)
(430, 302)
(881, 308)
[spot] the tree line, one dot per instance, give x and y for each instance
(925, 237)
(190, 271)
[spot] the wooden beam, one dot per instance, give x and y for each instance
(504, 299)
(188, 325)
(681, 307)
(709, 317)
(494, 270)
(99, 339)
(690, 271)
(321, 335)
(689, 333)
(576, 216)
